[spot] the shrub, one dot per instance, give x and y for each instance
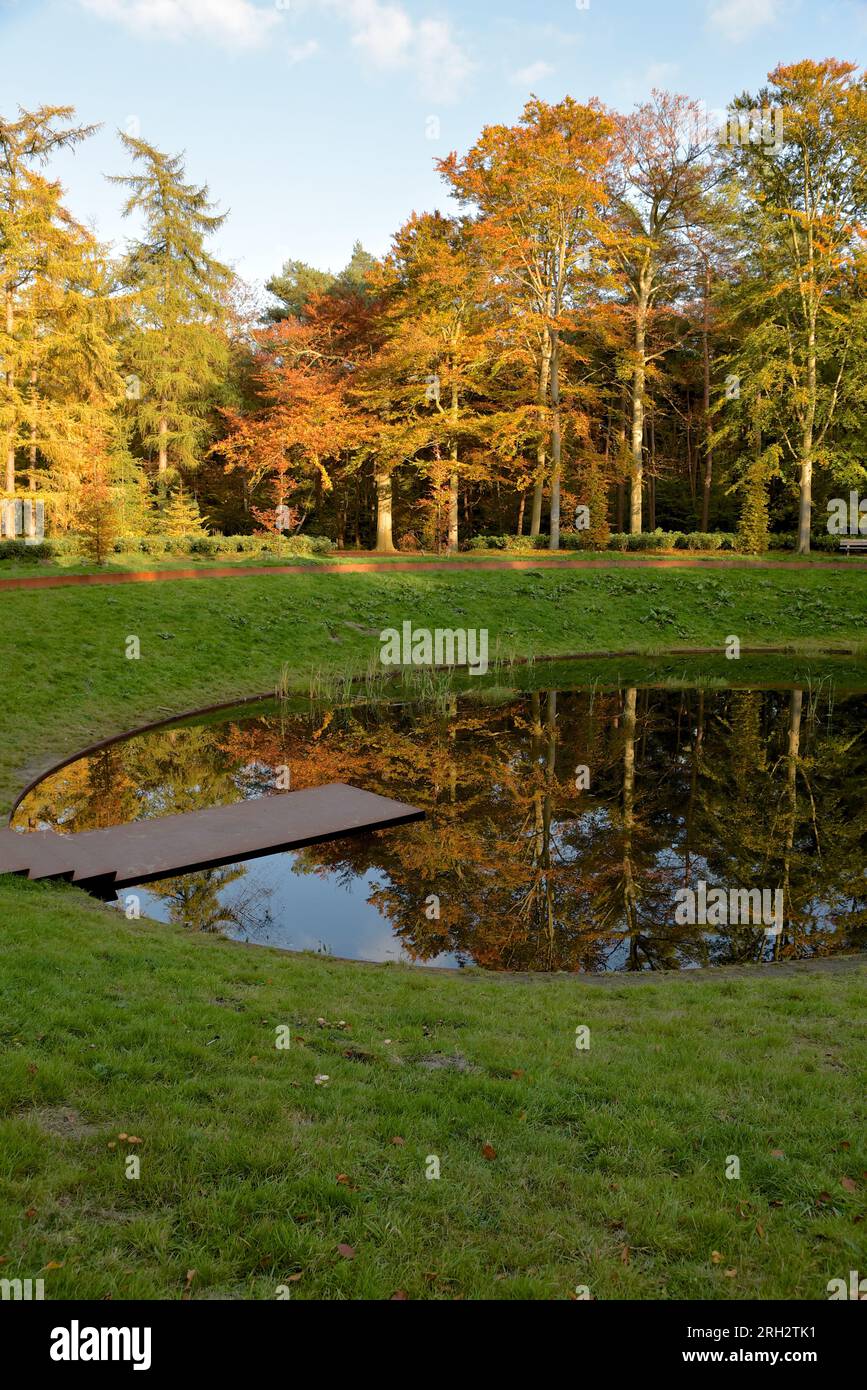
(20, 550)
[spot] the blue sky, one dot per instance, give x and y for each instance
(316, 122)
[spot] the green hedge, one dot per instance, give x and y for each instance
(645, 540)
(20, 550)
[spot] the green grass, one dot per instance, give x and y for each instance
(67, 682)
(138, 563)
(610, 1163)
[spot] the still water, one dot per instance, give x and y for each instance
(562, 825)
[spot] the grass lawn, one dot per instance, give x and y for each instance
(559, 1167)
(138, 563)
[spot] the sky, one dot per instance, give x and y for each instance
(317, 122)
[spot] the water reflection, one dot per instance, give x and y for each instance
(519, 865)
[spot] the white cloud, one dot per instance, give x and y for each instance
(384, 32)
(299, 53)
(534, 72)
(233, 22)
(390, 39)
(442, 64)
(740, 19)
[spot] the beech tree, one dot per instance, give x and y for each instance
(803, 202)
(538, 193)
(658, 188)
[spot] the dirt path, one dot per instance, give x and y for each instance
(373, 566)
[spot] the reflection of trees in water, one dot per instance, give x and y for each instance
(740, 788)
(199, 901)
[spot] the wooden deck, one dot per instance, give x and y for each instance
(106, 861)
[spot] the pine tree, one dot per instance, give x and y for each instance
(175, 349)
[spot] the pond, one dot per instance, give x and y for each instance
(581, 828)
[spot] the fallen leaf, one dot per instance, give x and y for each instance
(321, 1080)
(32, 1068)
(488, 1151)
(54, 1264)
(845, 1144)
(777, 1153)
(30, 1213)
(729, 1273)
(398, 1296)
(401, 1143)
(344, 1178)
(760, 1230)
(715, 1257)
(849, 1184)
(347, 1251)
(624, 1255)
(292, 1278)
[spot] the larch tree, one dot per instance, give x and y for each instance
(175, 350)
(40, 248)
(537, 188)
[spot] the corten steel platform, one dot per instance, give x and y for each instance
(106, 861)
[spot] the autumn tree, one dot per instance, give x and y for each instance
(537, 192)
(659, 184)
(59, 379)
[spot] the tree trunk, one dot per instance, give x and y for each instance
(10, 385)
(164, 446)
(521, 504)
(384, 538)
(541, 401)
(805, 510)
(708, 449)
(638, 380)
(556, 444)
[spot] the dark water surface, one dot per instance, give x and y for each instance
(518, 865)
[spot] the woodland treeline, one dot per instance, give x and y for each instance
(636, 314)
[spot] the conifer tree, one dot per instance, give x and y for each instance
(175, 349)
(43, 282)
(181, 516)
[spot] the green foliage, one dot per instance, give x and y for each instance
(20, 550)
(175, 348)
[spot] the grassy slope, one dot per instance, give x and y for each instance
(66, 681)
(129, 563)
(609, 1167)
(142, 1029)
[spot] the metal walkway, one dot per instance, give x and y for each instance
(106, 861)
